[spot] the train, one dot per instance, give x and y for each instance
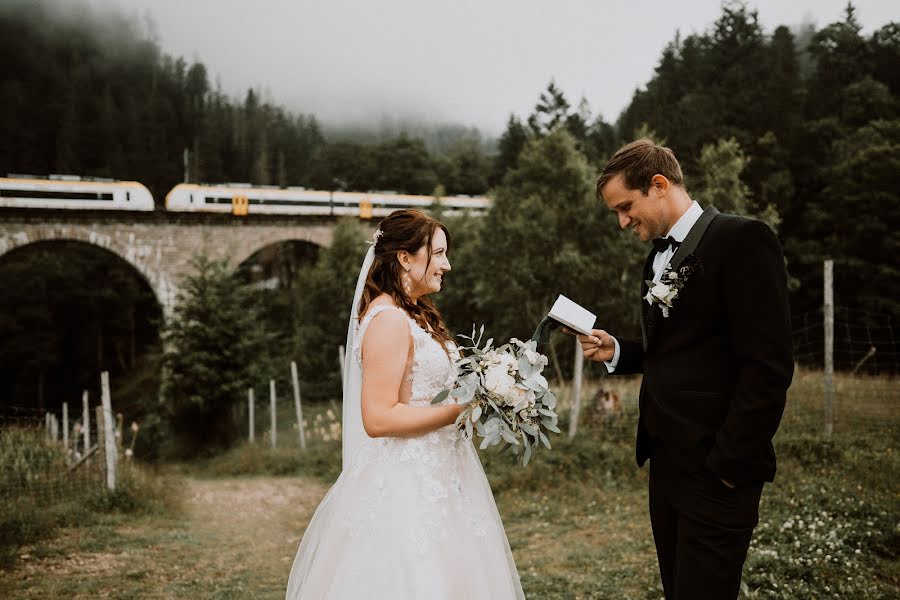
(73, 193)
(237, 199)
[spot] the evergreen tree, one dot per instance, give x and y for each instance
(547, 234)
(720, 184)
(324, 292)
(215, 348)
(510, 145)
(404, 165)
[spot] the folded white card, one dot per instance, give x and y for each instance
(572, 315)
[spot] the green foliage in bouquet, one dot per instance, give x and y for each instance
(508, 401)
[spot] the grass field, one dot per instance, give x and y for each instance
(576, 517)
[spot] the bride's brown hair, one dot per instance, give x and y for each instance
(407, 230)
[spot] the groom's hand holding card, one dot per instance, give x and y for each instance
(596, 344)
(572, 316)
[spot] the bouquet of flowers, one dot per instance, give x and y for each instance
(507, 399)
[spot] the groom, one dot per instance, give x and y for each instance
(716, 358)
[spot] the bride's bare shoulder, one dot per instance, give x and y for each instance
(388, 330)
(384, 317)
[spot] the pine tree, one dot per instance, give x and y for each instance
(547, 234)
(324, 292)
(510, 145)
(215, 348)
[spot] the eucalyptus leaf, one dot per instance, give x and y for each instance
(550, 400)
(509, 437)
(544, 440)
(528, 429)
(442, 395)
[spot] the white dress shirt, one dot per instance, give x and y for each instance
(678, 232)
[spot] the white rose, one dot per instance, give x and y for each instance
(498, 381)
(509, 363)
(518, 398)
(660, 290)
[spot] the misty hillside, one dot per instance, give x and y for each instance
(91, 92)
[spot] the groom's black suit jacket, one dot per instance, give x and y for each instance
(717, 369)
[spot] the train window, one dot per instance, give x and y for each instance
(53, 195)
(127, 196)
(191, 198)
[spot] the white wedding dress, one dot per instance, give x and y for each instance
(408, 518)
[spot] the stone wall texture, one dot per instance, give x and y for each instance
(161, 246)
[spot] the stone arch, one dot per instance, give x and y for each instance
(250, 250)
(276, 260)
(158, 282)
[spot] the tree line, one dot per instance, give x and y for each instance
(92, 93)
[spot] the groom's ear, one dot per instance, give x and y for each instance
(660, 184)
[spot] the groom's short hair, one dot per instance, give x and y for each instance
(638, 162)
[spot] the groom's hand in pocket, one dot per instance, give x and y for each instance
(598, 347)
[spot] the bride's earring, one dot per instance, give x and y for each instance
(407, 283)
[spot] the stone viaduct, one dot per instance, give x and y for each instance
(161, 245)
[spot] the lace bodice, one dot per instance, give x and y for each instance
(432, 370)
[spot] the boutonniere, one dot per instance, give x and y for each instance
(665, 291)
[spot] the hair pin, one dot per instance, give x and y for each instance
(375, 237)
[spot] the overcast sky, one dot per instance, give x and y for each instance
(471, 62)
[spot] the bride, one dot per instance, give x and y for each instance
(412, 515)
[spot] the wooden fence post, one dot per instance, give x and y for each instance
(101, 438)
(65, 427)
(47, 424)
(576, 390)
(829, 347)
(297, 406)
(112, 456)
(85, 421)
(272, 409)
(250, 424)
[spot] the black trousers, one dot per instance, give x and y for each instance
(702, 530)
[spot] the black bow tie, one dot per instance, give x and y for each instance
(661, 244)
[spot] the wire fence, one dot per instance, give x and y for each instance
(864, 342)
(48, 457)
(37, 470)
(866, 382)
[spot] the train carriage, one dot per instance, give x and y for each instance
(70, 192)
(243, 199)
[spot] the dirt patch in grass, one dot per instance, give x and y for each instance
(235, 539)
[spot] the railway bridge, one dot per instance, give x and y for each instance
(160, 245)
